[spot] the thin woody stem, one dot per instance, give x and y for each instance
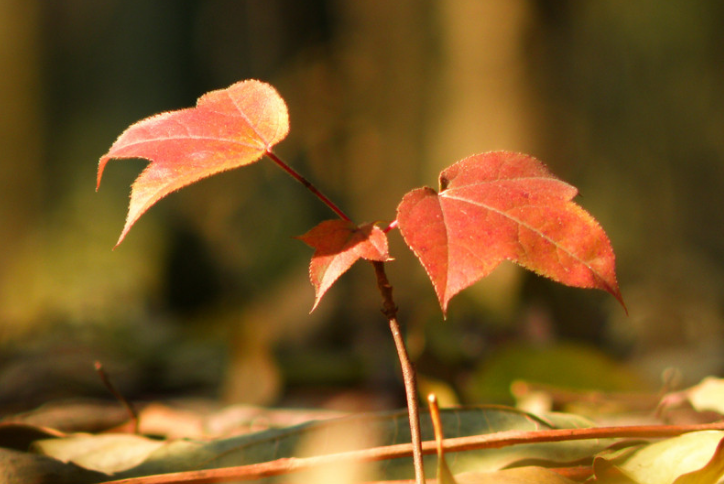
(389, 309)
(308, 185)
(132, 413)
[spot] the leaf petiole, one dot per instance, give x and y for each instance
(390, 311)
(307, 184)
(391, 226)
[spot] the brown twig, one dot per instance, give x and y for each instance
(389, 309)
(133, 415)
(459, 444)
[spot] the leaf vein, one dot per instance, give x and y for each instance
(529, 227)
(180, 138)
(248, 121)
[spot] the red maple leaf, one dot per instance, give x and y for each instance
(338, 244)
(227, 129)
(504, 206)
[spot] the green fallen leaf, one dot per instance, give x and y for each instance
(388, 428)
(662, 462)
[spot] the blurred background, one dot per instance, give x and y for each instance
(208, 296)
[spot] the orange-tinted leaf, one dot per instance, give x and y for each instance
(338, 244)
(227, 129)
(497, 206)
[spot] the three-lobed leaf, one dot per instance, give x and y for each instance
(227, 129)
(338, 244)
(504, 206)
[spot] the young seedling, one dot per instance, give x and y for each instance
(488, 208)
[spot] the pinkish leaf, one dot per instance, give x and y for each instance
(338, 244)
(497, 206)
(227, 129)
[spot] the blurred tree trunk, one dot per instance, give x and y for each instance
(483, 92)
(484, 102)
(426, 84)
(385, 56)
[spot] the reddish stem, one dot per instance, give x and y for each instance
(308, 185)
(486, 441)
(391, 226)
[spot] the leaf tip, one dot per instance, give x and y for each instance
(101, 166)
(610, 285)
(443, 306)
(317, 299)
(616, 292)
(121, 238)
